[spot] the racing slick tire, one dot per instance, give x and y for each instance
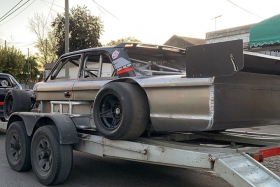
(121, 111)
(51, 161)
(17, 147)
(16, 101)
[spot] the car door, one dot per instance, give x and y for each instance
(59, 84)
(97, 70)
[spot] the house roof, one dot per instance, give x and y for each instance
(195, 41)
(183, 42)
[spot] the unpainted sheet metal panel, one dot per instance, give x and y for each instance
(246, 99)
(218, 59)
(260, 63)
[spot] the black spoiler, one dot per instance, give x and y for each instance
(227, 58)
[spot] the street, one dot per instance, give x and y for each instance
(89, 170)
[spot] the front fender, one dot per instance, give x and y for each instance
(32, 121)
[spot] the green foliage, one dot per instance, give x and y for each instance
(30, 70)
(125, 39)
(84, 30)
(15, 63)
(12, 60)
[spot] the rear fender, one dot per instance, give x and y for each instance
(65, 126)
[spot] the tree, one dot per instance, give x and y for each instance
(84, 30)
(125, 39)
(46, 43)
(12, 60)
(15, 63)
(29, 71)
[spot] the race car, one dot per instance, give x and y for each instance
(128, 89)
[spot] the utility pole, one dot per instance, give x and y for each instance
(216, 20)
(46, 52)
(67, 36)
(28, 64)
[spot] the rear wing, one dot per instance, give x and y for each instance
(227, 58)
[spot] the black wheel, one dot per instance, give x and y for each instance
(16, 101)
(51, 161)
(121, 111)
(18, 147)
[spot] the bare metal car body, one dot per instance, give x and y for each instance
(181, 95)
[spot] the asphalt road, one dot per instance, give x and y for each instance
(89, 170)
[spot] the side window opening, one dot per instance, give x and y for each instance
(97, 65)
(61, 71)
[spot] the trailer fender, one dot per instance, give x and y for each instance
(65, 126)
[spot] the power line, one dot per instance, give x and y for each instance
(48, 6)
(244, 9)
(54, 4)
(28, 44)
(13, 11)
(20, 44)
(101, 10)
(19, 13)
(105, 9)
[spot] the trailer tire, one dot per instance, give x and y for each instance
(16, 101)
(17, 147)
(51, 161)
(121, 111)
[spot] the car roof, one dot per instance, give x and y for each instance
(128, 45)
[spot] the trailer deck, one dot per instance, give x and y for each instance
(210, 151)
(229, 154)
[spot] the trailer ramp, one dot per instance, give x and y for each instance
(242, 170)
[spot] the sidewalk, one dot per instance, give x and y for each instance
(272, 163)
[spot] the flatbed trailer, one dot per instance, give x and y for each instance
(230, 154)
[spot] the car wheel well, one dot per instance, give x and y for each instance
(131, 81)
(121, 111)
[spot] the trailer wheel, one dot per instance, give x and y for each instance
(51, 161)
(16, 101)
(18, 147)
(121, 111)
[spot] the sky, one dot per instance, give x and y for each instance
(151, 21)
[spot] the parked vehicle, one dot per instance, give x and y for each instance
(133, 89)
(7, 82)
